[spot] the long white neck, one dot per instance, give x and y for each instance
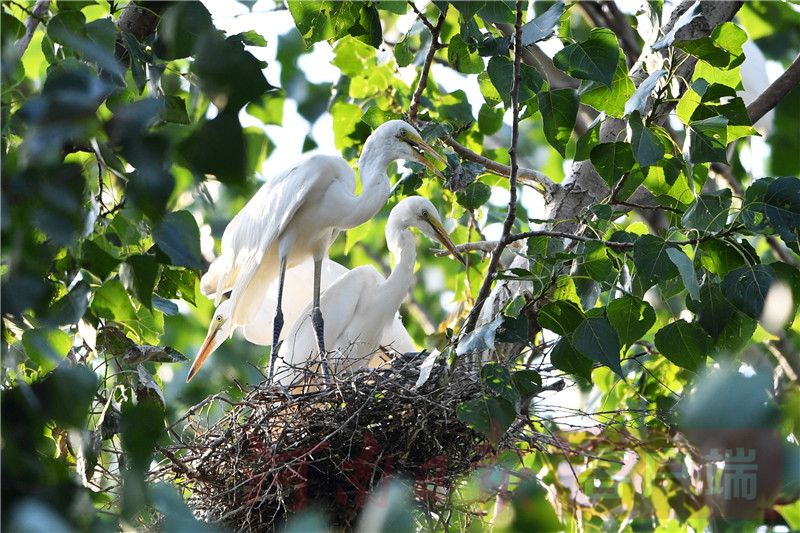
(375, 186)
(404, 251)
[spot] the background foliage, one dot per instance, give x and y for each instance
(125, 155)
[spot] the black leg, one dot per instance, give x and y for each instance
(319, 324)
(278, 323)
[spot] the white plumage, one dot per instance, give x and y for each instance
(295, 216)
(360, 306)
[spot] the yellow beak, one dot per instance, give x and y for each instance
(209, 345)
(418, 142)
(443, 238)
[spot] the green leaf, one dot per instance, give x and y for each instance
(611, 99)
(375, 116)
(490, 120)
(179, 29)
(46, 347)
(596, 261)
(638, 100)
(712, 310)
(174, 110)
(69, 309)
(631, 317)
(354, 57)
(141, 425)
(497, 12)
(345, 119)
(719, 256)
(597, 340)
(460, 57)
(722, 49)
(97, 258)
(532, 509)
(566, 358)
(709, 212)
(230, 75)
(612, 160)
(527, 382)
(489, 416)
(500, 71)
(474, 196)
(782, 209)
(684, 344)
(490, 94)
(139, 275)
(559, 109)
(250, 38)
(651, 259)
(594, 59)
(686, 270)
(498, 379)
(708, 140)
(111, 301)
(589, 140)
(217, 147)
(542, 26)
(561, 317)
(646, 144)
(323, 20)
(403, 54)
(269, 108)
(177, 236)
(468, 8)
(746, 288)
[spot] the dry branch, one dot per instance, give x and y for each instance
(274, 453)
(511, 215)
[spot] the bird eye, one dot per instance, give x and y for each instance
(219, 318)
(403, 133)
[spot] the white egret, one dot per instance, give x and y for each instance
(360, 305)
(297, 215)
(296, 282)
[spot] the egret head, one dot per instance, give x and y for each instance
(418, 212)
(220, 330)
(400, 140)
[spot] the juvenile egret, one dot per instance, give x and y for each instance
(360, 306)
(259, 331)
(297, 215)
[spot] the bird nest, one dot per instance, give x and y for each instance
(276, 452)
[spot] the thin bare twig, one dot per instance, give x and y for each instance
(422, 17)
(426, 67)
(511, 216)
(525, 176)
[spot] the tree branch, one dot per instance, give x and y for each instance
(37, 16)
(511, 216)
(491, 246)
(776, 92)
(607, 14)
(525, 176)
(426, 67)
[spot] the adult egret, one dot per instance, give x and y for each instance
(296, 283)
(360, 306)
(297, 215)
